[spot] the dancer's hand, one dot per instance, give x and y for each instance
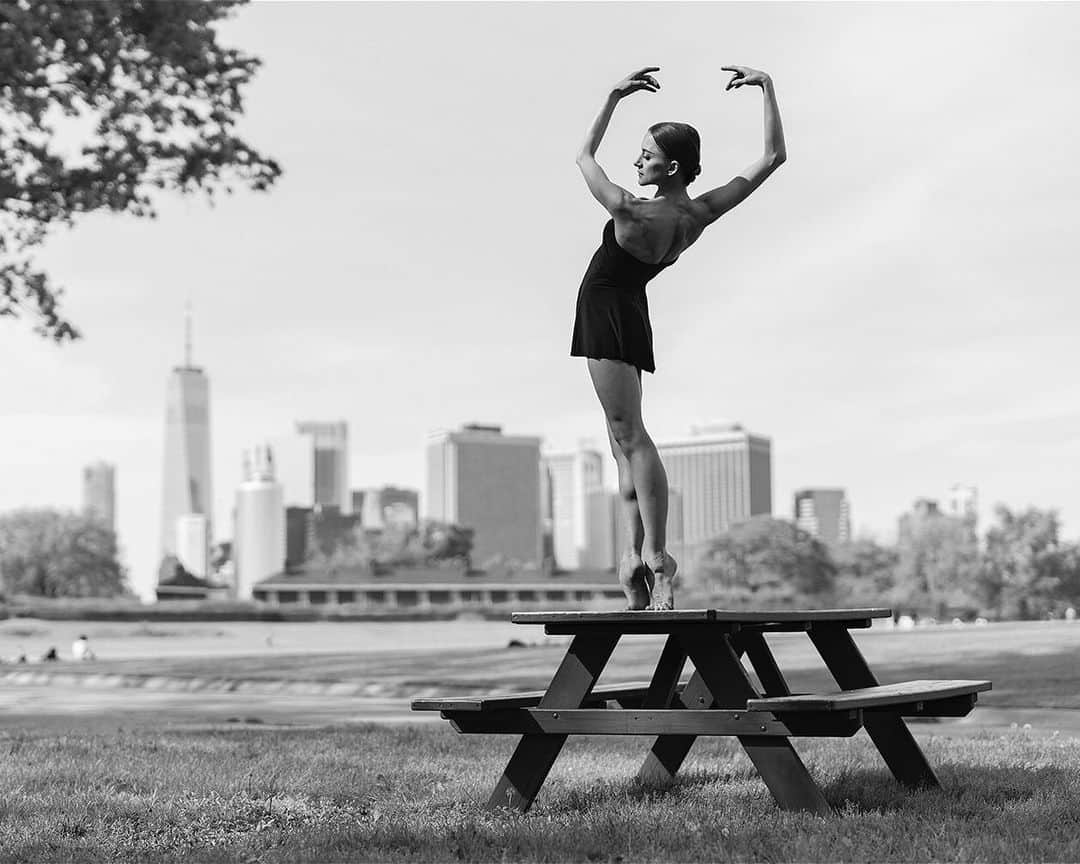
(640, 80)
(745, 75)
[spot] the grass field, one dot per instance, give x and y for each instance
(377, 793)
(141, 790)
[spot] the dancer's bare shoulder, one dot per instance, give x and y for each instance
(659, 231)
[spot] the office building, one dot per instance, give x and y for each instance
(193, 544)
(824, 514)
(330, 463)
(294, 468)
(259, 537)
(481, 479)
(99, 493)
(724, 475)
(388, 506)
(924, 510)
(186, 475)
(963, 503)
(574, 475)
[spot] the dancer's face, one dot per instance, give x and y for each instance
(651, 164)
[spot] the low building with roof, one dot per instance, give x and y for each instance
(437, 588)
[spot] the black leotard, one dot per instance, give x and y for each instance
(612, 318)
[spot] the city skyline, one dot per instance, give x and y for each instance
(892, 307)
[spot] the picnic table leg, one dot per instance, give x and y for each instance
(888, 731)
(761, 658)
(536, 753)
(775, 759)
(669, 751)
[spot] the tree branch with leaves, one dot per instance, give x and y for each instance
(163, 99)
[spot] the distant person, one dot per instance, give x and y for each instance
(612, 327)
(80, 649)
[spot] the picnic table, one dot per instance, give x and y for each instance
(719, 698)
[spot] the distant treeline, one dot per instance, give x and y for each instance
(1019, 569)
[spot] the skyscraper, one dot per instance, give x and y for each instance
(193, 544)
(259, 538)
(330, 463)
(481, 479)
(724, 475)
(963, 503)
(574, 475)
(386, 506)
(824, 514)
(186, 486)
(99, 493)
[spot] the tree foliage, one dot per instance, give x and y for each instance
(938, 567)
(49, 553)
(156, 99)
(766, 560)
(1027, 570)
(866, 572)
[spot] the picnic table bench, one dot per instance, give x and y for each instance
(719, 698)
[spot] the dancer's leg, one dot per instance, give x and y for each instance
(618, 385)
(635, 578)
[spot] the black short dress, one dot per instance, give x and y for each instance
(612, 318)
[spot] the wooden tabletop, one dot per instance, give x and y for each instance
(700, 616)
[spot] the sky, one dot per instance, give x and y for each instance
(895, 307)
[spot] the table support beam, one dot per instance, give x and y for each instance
(775, 759)
(536, 753)
(888, 731)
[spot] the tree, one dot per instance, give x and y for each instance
(866, 572)
(938, 566)
(156, 98)
(49, 553)
(1026, 568)
(767, 560)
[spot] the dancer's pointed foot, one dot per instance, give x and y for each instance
(636, 581)
(663, 568)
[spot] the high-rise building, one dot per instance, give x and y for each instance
(259, 538)
(193, 543)
(574, 476)
(294, 468)
(963, 502)
(330, 463)
(724, 475)
(99, 493)
(481, 479)
(386, 506)
(186, 486)
(824, 514)
(922, 511)
(604, 546)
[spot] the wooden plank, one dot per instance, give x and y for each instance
(761, 658)
(630, 689)
(903, 692)
(665, 679)
(687, 616)
(600, 721)
(669, 751)
(775, 759)
(534, 755)
(886, 729)
(656, 628)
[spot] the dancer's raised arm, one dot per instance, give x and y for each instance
(718, 201)
(612, 196)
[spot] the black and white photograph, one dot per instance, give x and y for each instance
(565, 430)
